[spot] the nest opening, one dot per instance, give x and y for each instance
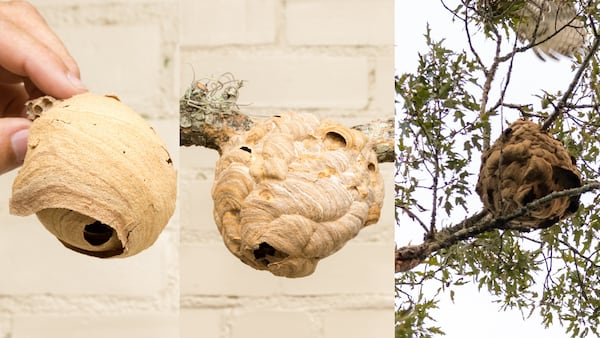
(266, 254)
(335, 140)
(97, 233)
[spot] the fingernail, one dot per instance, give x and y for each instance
(76, 82)
(19, 144)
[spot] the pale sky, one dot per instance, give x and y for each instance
(473, 314)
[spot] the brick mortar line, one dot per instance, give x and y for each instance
(111, 13)
(83, 305)
(324, 303)
(294, 50)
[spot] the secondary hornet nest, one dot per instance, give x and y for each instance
(293, 190)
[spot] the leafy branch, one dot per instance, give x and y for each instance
(479, 223)
(447, 112)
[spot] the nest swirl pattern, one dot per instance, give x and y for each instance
(96, 174)
(293, 190)
(523, 165)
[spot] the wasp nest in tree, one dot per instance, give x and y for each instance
(523, 165)
(96, 174)
(293, 190)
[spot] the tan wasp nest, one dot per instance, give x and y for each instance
(96, 174)
(523, 165)
(293, 190)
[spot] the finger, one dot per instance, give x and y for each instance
(12, 100)
(9, 77)
(13, 142)
(32, 90)
(15, 11)
(23, 55)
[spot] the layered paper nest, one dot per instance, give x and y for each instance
(293, 190)
(96, 174)
(523, 165)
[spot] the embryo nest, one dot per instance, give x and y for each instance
(523, 165)
(293, 190)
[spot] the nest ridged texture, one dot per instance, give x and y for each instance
(96, 174)
(293, 190)
(523, 165)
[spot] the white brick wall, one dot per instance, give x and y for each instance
(125, 47)
(375, 323)
(128, 48)
(273, 324)
(339, 22)
(292, 81)
(114, 326)
(231, 22)
(333, 58)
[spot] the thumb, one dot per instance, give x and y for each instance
(13, 142)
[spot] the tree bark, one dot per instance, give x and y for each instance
(409, 256)
(211, 128)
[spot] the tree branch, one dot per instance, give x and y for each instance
(381, 133)
(560, 107)
(479, 223)
(209, 117)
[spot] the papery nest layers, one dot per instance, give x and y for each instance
(293, 190)
(96, 174)
(523, 165)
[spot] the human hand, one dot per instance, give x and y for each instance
(33, 62)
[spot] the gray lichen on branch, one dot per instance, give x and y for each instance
(210, 116)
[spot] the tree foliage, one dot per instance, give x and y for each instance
(449, 109)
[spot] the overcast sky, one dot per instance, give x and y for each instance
(474, 314)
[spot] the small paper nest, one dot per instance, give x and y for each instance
(293, 190)
(96, 174)
(523, 165)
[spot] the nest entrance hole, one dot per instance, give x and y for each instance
(266, 254)
(335, 140)
(97, 233)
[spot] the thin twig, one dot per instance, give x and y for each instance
(414, 217)
(559, 108)
(487, 87)
(576, 252)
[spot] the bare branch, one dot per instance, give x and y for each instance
(209, 114)
(560, 107)
(490, 74)
(209, 117)
(381, 133)
(414, 217)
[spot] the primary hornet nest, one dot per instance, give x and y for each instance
(96, 174)
(523, 165)
(293, 190)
